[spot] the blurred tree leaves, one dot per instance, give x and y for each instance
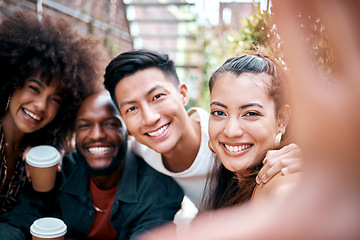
(258, 30)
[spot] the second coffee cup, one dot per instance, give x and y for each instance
(42, 161)
(48, 228)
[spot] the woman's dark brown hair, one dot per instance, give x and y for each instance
(30, 46)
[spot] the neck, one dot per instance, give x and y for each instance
(183, 155)
(110, 181)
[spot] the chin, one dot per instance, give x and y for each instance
(99, 166)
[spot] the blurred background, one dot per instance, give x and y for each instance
(197, 34)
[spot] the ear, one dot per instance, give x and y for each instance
(284, 116)
(184, 93)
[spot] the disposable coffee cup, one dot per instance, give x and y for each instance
(42, 161)
(48, 228)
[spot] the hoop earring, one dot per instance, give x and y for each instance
(8, 103)
(211, 147)
(278, 139)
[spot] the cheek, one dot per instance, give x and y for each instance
(16, 99)
(117, 136)
(53, 111)
(214, 129)
(264, 134)
(80, 137)
(132, 124)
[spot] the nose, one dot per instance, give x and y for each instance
(233, 128)
(41, 103)
(149, 115)
(97, 133)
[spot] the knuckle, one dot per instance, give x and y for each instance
(271, 161)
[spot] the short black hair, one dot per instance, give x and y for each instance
(128, 63)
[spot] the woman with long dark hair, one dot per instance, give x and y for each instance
(249, 115)
(46, 69)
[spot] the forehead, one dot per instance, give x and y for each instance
(98, 105)
(142, 82)
(42, 83)
(246, 85)
(148, 76)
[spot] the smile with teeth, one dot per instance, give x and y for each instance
(158, 132)
(99, 150)
(32, 115)
(236, 148)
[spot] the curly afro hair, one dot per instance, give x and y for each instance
(29, 46)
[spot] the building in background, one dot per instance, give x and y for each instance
(105, 19)
(179, 28)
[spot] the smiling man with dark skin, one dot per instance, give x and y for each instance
(106, 192)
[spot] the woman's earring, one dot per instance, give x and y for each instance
(211, 147)
(8, 103)
(278, 139)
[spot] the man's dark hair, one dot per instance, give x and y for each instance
(129, 63)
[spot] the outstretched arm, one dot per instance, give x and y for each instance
(325, 205)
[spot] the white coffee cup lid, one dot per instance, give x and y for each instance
(48, 227)
(43, 156)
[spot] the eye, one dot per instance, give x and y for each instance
(112, 124)
(35, 89)
(82, 126)
(56, 100)
(157, 96)
(131, 109)
(218, 113)
(252, 114)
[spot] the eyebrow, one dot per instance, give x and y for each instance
(147, 93)
(60, 94)
(218, 104)
(37, 82)
(105, 119)
(81, 119)
(241, 107)
(251, 105)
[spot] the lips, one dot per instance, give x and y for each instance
(31, 115)
(237, 148)
(159, 131)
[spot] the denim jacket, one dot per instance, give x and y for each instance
(144, 199)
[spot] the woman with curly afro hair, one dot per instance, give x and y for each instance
(47, 69)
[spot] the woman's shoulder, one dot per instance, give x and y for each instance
(277, 187)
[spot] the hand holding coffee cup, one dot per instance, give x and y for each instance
(42, 161)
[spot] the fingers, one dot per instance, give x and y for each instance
(59, 166)
(285, 166)
(62, 153)
(292, 149)
(286, 160)
(27, 171)
(25, 152)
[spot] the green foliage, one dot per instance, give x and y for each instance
(258, 30)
